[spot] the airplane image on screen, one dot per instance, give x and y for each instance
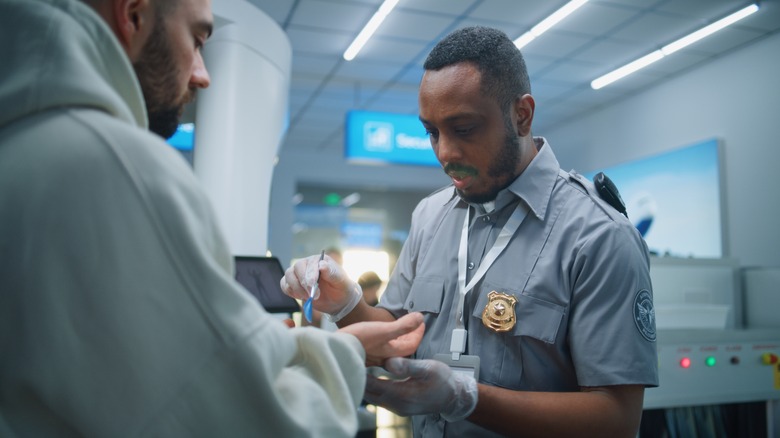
(642, 213)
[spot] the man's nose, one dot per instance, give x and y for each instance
(447, 150)
(200, 76)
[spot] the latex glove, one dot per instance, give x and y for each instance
(383, 340)
(337, 294)
(423, 387)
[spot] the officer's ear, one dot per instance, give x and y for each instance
(133, 23)
(524, 107)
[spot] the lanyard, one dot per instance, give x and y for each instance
(458, 343)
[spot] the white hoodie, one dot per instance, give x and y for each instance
(119, 315)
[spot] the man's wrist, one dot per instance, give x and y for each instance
(355, 296)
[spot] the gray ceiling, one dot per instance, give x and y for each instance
(601, 36)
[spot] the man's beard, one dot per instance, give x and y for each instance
(158, 76)
(502, 168)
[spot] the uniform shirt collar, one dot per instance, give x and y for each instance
(535, 185)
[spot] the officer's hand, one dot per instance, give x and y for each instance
(337, 293)
(383, 340)
(423, 387)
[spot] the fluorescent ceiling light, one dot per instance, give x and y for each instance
(626, 69)
(548, 22)
(668, 49)
(709, 30)
(369, 29)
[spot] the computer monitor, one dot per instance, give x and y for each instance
(261, 276)
(676, 200)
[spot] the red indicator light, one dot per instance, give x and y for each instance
(685, 362)
(769, 359)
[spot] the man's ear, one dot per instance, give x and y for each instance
(134, 21)
(524, 106)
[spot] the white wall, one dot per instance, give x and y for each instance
(736, 98)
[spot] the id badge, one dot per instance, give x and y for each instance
(467, 364)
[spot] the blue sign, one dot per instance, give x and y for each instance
(184, 137)
(373, 137)
(362, 235)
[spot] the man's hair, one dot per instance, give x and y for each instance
(499, 61)
(161, 7)
(369, 279)
(165, 7)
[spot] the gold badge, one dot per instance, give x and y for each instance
(499, 313)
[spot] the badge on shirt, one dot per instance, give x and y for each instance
(644, 314)
(499, 313)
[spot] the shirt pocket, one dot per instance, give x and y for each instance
(535, 318)
(425, 295)
(502, 355)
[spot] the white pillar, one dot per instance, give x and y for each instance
(240, 120)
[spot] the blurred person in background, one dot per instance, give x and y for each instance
(371, 284)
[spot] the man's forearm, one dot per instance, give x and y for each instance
(613, 411)
(364, 312)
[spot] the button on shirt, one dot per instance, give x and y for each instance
(575, 265)
(483, 233)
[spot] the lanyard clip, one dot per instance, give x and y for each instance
(458, 343)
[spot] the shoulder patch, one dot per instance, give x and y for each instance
(644, 314)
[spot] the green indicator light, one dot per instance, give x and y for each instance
(710, 361)
(331, 199)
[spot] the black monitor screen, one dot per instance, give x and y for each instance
(261, 276)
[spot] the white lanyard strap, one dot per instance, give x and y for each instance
(498, 247)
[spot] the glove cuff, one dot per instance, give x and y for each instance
(356, 295)
(466, 401)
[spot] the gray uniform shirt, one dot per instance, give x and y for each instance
(578, 269)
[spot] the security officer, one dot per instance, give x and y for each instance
(536, 292)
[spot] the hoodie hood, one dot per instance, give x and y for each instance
(59, 53)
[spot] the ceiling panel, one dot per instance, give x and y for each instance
(360, 69)
(522, 13)
(609, 53)
(556, 44)
(277, 10)
(599, 37)
(318, 42)
(413, 25)
(594, 19)
(511, 29)
(572, 71)
(451, 7)
(385, 49)
(653, 30)
(707, 12)
(332, 15)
